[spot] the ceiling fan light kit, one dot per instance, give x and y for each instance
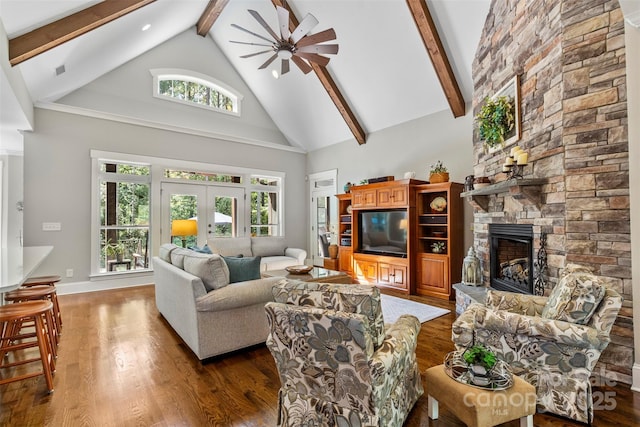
(296, 46)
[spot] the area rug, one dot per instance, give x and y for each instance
(393, 308)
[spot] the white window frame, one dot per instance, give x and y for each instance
(157, 166)
(203, 79)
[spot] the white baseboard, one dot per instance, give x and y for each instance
(635, 372)
(127, 281)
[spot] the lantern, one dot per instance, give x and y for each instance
(471, 271)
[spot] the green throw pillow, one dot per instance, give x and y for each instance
(242, 269)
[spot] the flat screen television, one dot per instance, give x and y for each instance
(383, 232)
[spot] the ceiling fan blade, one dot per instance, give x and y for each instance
(304, 67)
(251, 32)
(313, 57)
(257, 53)
(268, 61)
(305, 26)
(320, 48)
(285, 66)
(283, 22)
(321, 37)
(251, 44)
(264, 24)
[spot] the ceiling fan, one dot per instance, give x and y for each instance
(296, 46)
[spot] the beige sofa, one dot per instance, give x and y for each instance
(273, 250)
(211, 317)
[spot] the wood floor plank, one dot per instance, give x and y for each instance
(121, 364)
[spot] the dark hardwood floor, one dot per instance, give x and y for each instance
(120, 364)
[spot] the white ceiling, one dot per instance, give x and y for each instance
(382, 68)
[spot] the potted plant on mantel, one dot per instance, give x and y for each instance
(496, 120)
(438, 173)
(480, 361)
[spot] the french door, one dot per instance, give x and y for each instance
(219, 211)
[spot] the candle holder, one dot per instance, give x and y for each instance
(514, 171)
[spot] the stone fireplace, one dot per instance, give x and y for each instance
(511, 257)
(570, 59)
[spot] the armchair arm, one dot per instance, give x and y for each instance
(530, 305)
(398, 346)
(299, 254)
(558, 331)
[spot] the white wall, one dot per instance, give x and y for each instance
(411, 146)
(57, 170)
(632, 40)
(128, 91)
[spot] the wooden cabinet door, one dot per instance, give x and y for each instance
(364, 198)
(393, 196)
(365, 271)
(433, 276)
(393, 275)
(345, 260)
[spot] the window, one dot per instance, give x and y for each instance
(265, 206)
(124, 216)
(195, 89)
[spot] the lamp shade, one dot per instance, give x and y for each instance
(184, 227)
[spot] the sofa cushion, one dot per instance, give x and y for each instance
(237, 295)
(243, 268)
(231, 246)
(210, 268)
(164, 253)
(177, 256)
(268, 246)
(575, 298)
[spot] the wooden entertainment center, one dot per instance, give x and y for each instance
(421, 217)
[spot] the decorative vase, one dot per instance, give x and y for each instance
(333, 251)
(436, 178)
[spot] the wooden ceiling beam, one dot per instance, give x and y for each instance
(432, 42)
(54, 34)
(330, 86)
(209, 16)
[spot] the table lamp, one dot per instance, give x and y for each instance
(183, 228)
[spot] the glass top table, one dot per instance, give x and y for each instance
(317, 274)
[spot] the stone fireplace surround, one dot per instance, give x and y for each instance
(570, 57)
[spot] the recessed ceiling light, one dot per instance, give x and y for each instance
(146, 27)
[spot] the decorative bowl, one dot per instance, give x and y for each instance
(439, 233)
(299, 269)
(439, 204)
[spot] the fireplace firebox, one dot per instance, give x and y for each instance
(511, 257)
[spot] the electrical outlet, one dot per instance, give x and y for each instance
(69, 272)
(51, 226)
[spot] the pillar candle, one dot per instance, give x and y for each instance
(523, 158)
(505, 168)
(514, 150)
(508, 161)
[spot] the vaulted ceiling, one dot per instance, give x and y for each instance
(390, 68)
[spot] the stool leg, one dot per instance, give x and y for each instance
(526, 421)
(45, 353)
(56, 311)
(51, 334)
(433, 408)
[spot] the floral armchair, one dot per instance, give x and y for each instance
(338, 365)
(554, 343)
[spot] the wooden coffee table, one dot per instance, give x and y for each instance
(317, 274)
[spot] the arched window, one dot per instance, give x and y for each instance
(195, 89)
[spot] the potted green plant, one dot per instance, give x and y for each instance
(438, 173)
(496, 120)
(114, 250)
(480, 361)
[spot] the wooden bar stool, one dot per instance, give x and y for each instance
(40, 293)
(41, 280)
(12, 317)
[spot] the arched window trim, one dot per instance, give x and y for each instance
(195, 77)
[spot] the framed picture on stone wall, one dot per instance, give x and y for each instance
(512, 91)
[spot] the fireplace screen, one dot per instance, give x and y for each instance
(511, 257)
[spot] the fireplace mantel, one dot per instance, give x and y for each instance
(527, 191)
